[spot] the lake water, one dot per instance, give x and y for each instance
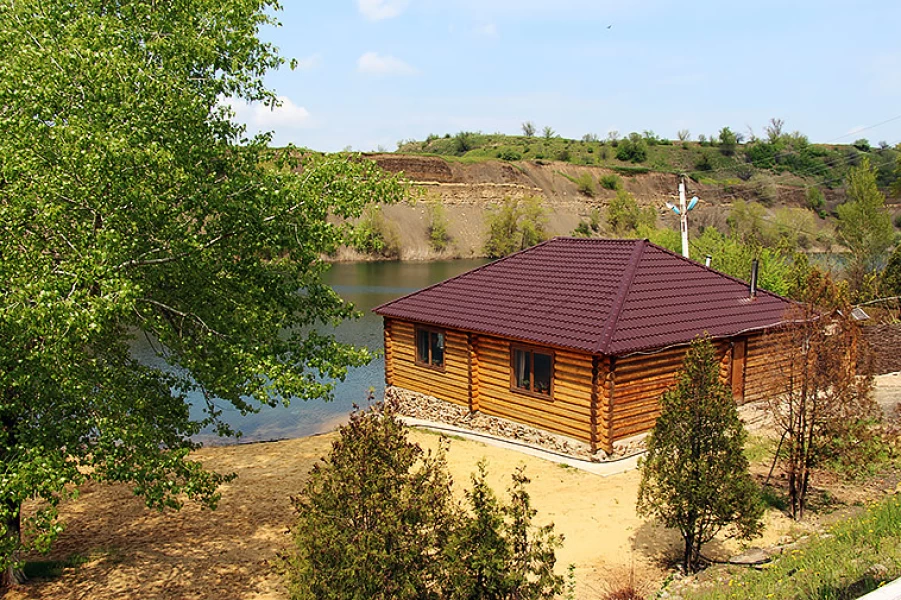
(366, 285)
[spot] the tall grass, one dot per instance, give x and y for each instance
(855, 557)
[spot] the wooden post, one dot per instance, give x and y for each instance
(739, 352)
(389, 355)
(594, 403)
(472, 342)
(611, 393)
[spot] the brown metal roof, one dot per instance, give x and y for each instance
(610, 297)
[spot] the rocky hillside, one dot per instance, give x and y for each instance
(467, 188)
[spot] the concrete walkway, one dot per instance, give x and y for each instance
(604, 469)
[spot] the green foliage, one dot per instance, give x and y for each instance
(728, 141)
(439, 238)
(548, 132)
(528, 129)
(375, 235)
(514, 225)
(633, 148)
(377, 520)
(733, 255)
(625, 216)
(131, 205)
(695, 475)
(864, 225)
(891, 277)
(583, 229)
(464, 141)
(509, 154)
(815, 199)
(371, 517)
(837, 564)
(585, 183)
(862, 144)
(611, 182)
(497, 553)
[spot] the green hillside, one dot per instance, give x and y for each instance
(726, 159)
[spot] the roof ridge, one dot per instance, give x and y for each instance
(465, 273)
(620, 300)
(718, 272)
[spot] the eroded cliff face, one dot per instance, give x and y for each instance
(467, 189)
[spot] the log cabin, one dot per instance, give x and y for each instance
(578, 337)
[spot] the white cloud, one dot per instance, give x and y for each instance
(376, 10)
(308, 63)
(372, 63)
(260, 117)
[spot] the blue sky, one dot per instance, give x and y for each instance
(373, 72)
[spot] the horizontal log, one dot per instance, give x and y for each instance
(562, 395)
(537, 406)
(546, 424)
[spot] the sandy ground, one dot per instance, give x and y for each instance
(132, 552)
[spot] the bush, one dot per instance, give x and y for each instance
(374, 234)
(371, 517)
(585, 183)
(564, 156)
(728, 141)
(898, 220)
(439, 238)
(583, 229)
(514, 225)
(815, 199)
(509, 154)
(632, 148)
(464, 142)
(611, 182)
(862, 144)
(624, 215)
(377, 519)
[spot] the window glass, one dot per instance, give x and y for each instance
(542, 368)
(437, 348)
(422, 345)
(522, 369)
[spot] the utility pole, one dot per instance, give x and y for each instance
(683, 217)
(682, 211)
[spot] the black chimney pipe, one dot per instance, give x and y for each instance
(755, 264)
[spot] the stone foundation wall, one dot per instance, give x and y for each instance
(428, 408)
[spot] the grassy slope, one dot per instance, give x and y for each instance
(796, 161)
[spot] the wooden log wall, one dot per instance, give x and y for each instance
(568, 412)
(637, 382)
(452, 385)
(764, 365)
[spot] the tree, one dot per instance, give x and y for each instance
(891, 277)
(864, 226)
(823, 397)
(514, 225)
(684, 135)
(633, 148)
(728, 141)
(548, 132)
(528, 129)
(377, 519)
(774, 129)
(131, 205)
(695, 477)
(625, 216)
(497, 553)
(372, 517)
